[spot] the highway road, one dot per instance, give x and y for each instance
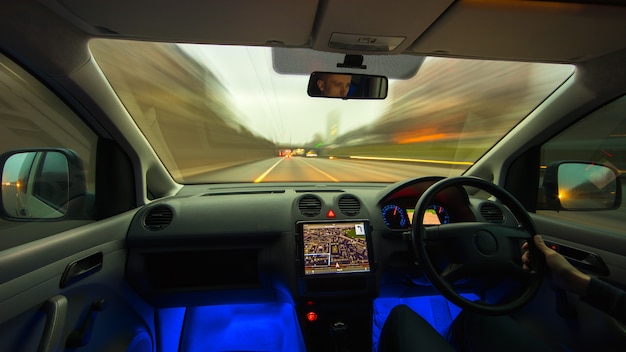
(304, 169)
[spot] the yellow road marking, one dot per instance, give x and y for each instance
(263, 175)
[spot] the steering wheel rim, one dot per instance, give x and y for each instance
(486, 248)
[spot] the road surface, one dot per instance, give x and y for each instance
(303, 169)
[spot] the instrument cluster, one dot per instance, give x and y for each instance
(448, 206)
(400, 217)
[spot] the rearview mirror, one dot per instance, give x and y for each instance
(42, 184)
(578, 185)
(347, 86)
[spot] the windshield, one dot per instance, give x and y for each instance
(217, 114)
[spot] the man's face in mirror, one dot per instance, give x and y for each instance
(334, 85)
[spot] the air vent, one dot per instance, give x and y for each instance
(158, 218)
(492, 213)
(349, 206)
(310, 206)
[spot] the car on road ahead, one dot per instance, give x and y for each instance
(150, 200)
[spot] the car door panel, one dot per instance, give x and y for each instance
(30, 292)
(608, 246)
(568, 319)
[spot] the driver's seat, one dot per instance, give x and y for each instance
(405, 330)
(475, 332)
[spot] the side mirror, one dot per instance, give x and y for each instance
(579, 185)
(347, 86)
(47, 183)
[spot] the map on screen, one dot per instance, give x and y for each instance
(335, 248)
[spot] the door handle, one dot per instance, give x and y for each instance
(80, 269)
(56, 310)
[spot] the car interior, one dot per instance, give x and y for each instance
(279, 175)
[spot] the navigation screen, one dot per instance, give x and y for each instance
(335, 248)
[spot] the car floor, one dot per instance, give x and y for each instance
(273, 326)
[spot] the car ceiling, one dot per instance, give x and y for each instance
(503, 29)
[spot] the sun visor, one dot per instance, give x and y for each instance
(241, 22)
(378, 27)
(304, 61)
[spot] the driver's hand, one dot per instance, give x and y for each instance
(564, 275)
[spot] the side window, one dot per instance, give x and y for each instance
(55, 148)
(598, 138)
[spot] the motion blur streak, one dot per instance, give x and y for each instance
(446, 162)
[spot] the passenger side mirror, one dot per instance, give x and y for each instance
(579, 185)
(347, 86)
(42, 184)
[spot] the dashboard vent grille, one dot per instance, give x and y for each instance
(158, 218)
(349, 206)
(310, 206)
(492, 213)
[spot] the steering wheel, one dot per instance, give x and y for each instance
(479, 251)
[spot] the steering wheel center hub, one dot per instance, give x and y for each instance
(485, 242)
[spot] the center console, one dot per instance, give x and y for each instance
(336, 284)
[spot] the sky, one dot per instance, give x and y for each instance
(277, 106)
(12, 167)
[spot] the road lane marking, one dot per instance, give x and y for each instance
(263, 175)
(322, 172)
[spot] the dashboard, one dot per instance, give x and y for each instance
(329, 250)
(234, 243)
